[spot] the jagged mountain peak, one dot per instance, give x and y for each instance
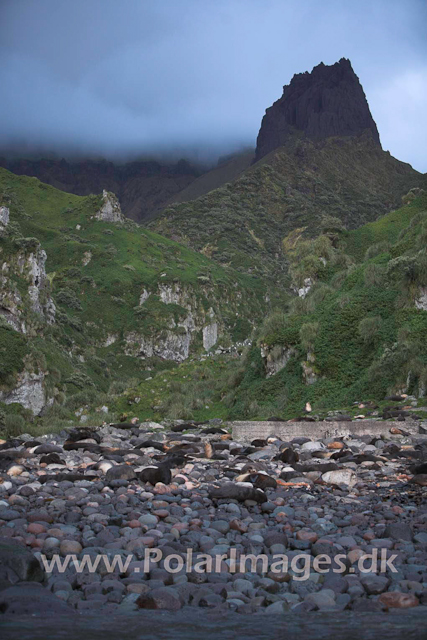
(328, 101)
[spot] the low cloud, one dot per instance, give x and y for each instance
(98, 77)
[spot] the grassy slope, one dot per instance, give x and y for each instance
(99, 299)
(244, 222)
(215, 178)
(349, 367)
(386, 229)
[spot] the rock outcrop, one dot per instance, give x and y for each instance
(327, 102)
(29, 391)
(4, 218)
(27, 264)
(174, 343)
(110, 210)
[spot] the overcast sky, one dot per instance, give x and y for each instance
(125, 77)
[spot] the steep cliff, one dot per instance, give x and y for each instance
(327, 102)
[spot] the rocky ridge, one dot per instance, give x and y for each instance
(325, 103)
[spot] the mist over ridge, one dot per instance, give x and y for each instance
(193, 80)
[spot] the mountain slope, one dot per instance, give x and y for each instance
(359, 334)
(226, 171)
(97, 301)
(243, 223)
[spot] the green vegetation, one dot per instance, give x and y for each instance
(194, 390)
(305, 186)
(120, 291)
(358, 329)
(97, 273)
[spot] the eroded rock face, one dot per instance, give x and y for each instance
(4, 218)
(327, 102)
(170, 346)
(174, 343)
(29, 391)
(421, 300)
(210, 335)
(110, 210)
(31, 267)
(39, 283)
(276, 358)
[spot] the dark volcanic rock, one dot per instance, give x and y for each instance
(18, 564)
(327, 102)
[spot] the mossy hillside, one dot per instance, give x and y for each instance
(367, 339)
(122, 259)
(194, 390)
(385, 230)
(97, 272)
(243, 222)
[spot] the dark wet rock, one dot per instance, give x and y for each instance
(51, 458)
(399, 531)
(160, 598)
(48, 448)
(85, 433)
(374, 584)
(29, 598)
(18, 564)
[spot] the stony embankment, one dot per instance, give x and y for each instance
(171, 496)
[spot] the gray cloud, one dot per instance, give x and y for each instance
(193, 77)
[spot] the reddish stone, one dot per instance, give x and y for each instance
(161, 513)
(37, 543)
(39, 516)
(160, 504)
(238, 525)
(307, 536)
(36, 528)
(397, 600)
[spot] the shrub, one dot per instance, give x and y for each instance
(409, 269)
(421, 240)
(332, 227)
(68, 298)
(376, 249)
(14, 425)
(179, 411)
(417, 218)
(318, 294)
(80, 380)
(308, 334)
(272, 325)
(413, 193)
(369, 328)
(299, 306)
(117, 387)
(235, 378)
(374, 275)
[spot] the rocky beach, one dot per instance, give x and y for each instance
(150, 503)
